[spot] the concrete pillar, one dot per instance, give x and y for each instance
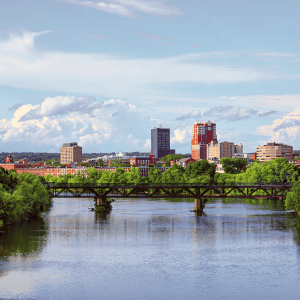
(101, 204)
(198, 204)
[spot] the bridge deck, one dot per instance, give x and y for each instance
(65, 190)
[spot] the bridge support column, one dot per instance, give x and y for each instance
(101, 204)
(199, 206)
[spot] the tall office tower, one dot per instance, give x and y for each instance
(70, 153)
(203, 134)
(160, 142)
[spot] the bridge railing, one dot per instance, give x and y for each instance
(166, 185)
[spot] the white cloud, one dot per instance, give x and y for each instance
(59, 105)
(182, 135)
(129, 8)
(107, 7)
(285, 130)
(106, 75)
(110, 125)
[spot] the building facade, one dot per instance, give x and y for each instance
(70, 153)
(238, 148)
(203, 134)
(141, 160)
(223, 149)
(9, 159)
(160, 142)
(273, 151)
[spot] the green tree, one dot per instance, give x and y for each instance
(233, 165)
(292, 200)
(8, 179)
(199, 169)
(154, 175)
(170, 157)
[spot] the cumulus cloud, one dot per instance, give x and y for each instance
(284, 130)
(96, 126)
(182, 135)
(288, 123)
(61, 105)
(24, 66)
(195, 114)
(130, 8)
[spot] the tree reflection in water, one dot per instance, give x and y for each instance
(23, 239)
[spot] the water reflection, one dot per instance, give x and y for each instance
(158, 249)
(23, 239)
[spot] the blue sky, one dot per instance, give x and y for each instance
(103, 73)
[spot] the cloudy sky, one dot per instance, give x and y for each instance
(104, 72)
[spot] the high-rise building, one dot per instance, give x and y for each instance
(203, 134)
(70, 153)
(273, 151)
(160, 142)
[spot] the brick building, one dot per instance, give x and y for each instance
(141, 160)
(273, 151)
(203, 134)
(9, 159)
(70, 153)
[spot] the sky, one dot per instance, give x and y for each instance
(103, 73)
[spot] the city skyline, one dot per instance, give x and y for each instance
(104, 73)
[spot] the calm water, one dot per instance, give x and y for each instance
(239, 249)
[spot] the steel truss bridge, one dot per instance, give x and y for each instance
(180, 190)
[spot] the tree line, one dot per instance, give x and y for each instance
(21, 196)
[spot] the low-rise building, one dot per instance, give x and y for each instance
(184, 161)
(141, 160)
(273, 151)
(9, 159)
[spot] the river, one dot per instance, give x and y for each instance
(144, 249)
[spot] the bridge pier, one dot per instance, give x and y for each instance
(103, 205)
(199, 206)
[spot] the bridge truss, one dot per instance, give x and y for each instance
(196, 191)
